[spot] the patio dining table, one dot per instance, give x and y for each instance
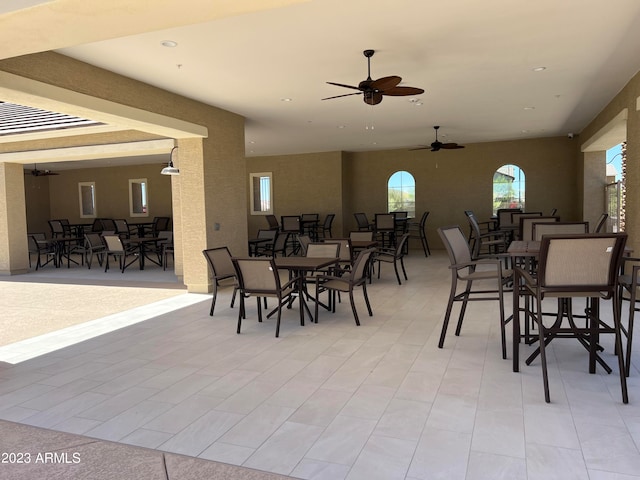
(300, 266)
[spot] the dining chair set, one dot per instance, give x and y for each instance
(287, 278)
(551, 264)
(389, 228)
(104, 239)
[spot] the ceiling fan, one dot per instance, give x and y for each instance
(437, 145)
(374, 90)
(39, 173)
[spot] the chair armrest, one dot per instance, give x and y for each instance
(528, 278)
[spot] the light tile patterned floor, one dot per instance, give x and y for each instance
(335, 401)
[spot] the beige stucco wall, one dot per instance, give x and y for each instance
(450, 182)
(309, 183)
(447, 182)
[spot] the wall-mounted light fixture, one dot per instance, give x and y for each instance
(170, 169)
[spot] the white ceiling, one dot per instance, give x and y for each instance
(474, 59)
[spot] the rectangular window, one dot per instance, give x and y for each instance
(138, 206)
(87, 197)
(261, 193)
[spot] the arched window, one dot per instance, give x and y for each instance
(508, 188)
(401, 193)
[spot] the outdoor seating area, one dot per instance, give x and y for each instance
(105, 238)
(213, 394)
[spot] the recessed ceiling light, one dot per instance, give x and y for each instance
(529, 108)
(342, 126)
(539, 69)
(169, 43)
(285, 100)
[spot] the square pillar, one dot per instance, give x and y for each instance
(14, 252)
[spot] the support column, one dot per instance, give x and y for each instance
(14, 253)
(595, 180)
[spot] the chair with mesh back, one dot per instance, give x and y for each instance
(40, 247)
(503, 216)
(346, 283)
(57, 229)
(323, 230)
(264, 245)
(395, 256)
(469, 272)
(629, 290)
(516, 217)
(362, 221)
(125, 254)
(418, 230)
(584, 266)
(309, 224)
(108, 225)
(272, 221)
(558, 228)
(291, 226)
(526, 225)
(223, 272)
(122, 227)
(259, 277)
(485, 243)
(304, 241)
(93, 245)
(329, 249)
(361, 236)
(601, 224)
(385, 228)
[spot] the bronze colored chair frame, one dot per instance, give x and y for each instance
(395, 256)
(465, 269)
(583, 266)
(347, 283)
(222, 268)
(260, 277)
(419, 230)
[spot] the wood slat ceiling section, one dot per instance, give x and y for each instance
(16, 119)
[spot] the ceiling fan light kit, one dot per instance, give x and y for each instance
(373, 91)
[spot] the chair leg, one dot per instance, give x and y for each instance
(463, 309)
(543, 353)
(213, 299)
(403, 269)
(395, 268)
(624, 370)
(366, 298)
(503, 333)
(233, 297)
(279, 316)
(240, 312)
(447, 314)
(632, 310)
(353, 307)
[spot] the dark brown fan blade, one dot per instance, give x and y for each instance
(373, 98)
(343, 85)
(451, 146)
(423, 147)
(345, 95)
(386, 83)
(403, 91)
